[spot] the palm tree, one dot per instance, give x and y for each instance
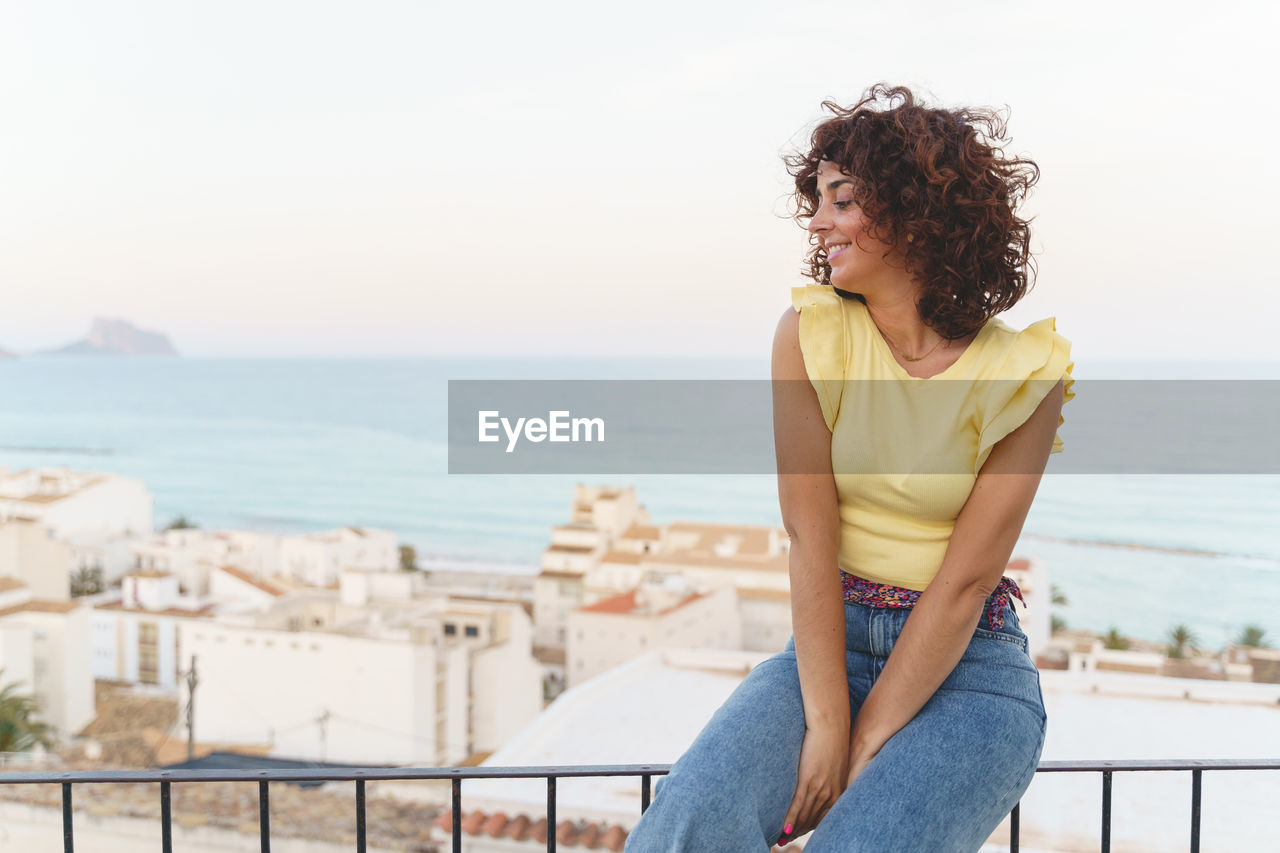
(1057, 598)
(1181, 638)
(1115, 640)
(182, 523)
(19, 728)
(1253, 636)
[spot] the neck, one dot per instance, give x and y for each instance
(895, 314)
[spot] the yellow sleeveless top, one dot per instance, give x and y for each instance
(922, 440)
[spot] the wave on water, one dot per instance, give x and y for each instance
(77, 451)
(1262, 560)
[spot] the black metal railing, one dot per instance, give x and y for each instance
(456, 776)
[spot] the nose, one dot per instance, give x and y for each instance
(819, 222)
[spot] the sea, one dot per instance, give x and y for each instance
(287, 445)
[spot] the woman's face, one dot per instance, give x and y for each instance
(856, 258)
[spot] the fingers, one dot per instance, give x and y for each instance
(806, 811)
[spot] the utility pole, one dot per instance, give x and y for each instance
(192, 681)
(323, 720)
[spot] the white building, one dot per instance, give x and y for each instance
(617, 629)
(315, 559)
(192, 554)
(30, 553)
(138, 638)
(319, 558)
(45, 645)
(69, 501)
(599, 516)
(368, 673)
(610, 548)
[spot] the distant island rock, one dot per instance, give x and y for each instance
(109, 336)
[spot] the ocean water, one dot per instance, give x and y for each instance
(295, 445)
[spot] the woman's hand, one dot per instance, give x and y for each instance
(824, 765)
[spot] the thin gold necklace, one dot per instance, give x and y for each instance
(907, 357)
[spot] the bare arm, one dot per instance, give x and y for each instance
(943, 620)
(809, 513)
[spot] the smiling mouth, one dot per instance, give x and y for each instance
(836, 249)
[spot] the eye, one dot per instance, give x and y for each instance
(842, 205)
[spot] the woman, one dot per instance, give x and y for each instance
(905, 712)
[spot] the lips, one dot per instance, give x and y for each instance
(836, 249)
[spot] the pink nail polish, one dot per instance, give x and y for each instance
(787, 829)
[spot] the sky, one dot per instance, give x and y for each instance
(581, 178)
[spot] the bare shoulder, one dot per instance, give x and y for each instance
(788, 360)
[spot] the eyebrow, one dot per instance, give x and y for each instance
(832, 185)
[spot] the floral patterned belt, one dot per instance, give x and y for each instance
(872, 594)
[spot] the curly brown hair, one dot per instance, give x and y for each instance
(936, 184)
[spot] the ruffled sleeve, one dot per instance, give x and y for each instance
(1036, 360)
(822, 341)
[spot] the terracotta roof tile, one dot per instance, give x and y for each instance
(626, 557)
(625, 604)
(7, 583)
(471, 823)
(557, 573)
(570, 549)
(615, 838)
(642, 531)
(264, 585)
(567, 833)
(570, 835)
(202, 612)
(38, 605)
(518, 828)
(494, 825)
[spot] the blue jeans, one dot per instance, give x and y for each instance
(943, 783)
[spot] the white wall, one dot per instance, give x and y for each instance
(254, 683)
(507, 683)
(17, 657)
(58, 674)
(600, 641)
(30, 553)
(106, 503)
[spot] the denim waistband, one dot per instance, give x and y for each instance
(882, 595)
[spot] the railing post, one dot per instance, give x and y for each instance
(360, 842)
(1195, 810)
(457, 814)
(551, 814)
(166, 819)
(1106, 811)
(264, 815)
(1014, 821)
(68, 842)
(646, 782)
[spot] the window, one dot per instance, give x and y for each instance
(473, 631)
(450, 629)
(148, 653)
